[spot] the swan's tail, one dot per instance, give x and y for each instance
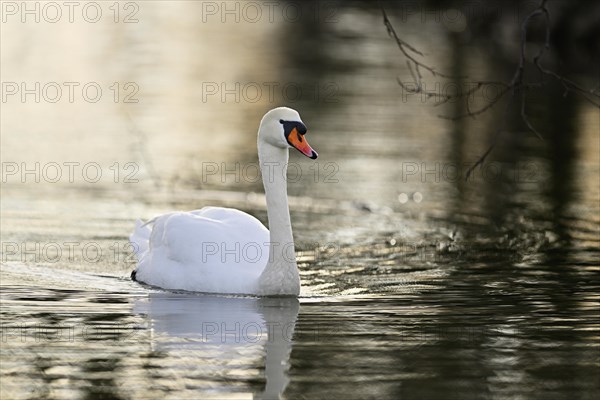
(140, 237)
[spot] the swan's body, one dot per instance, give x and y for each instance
(223, 250)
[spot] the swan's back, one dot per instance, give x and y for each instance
(214, 249)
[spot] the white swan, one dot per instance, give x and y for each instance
(223, 250)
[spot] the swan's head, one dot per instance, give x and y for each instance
(282, 127)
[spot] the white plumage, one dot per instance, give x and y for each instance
(224, 250)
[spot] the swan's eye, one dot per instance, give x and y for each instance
(281, 121)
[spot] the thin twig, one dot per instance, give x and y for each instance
(406, 48)
(526, 119)
(483, 157)
(483, 109)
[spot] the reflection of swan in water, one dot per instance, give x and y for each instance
(227, 336)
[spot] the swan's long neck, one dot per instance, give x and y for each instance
(280, 276)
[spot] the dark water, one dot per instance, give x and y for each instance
(417, 282)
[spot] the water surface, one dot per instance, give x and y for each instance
(417, 282)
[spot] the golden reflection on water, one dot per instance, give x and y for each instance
(169, 55)
(171, 62)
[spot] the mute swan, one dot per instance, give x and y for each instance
(223, 250)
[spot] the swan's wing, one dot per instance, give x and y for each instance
(213, 235)
(213, 249)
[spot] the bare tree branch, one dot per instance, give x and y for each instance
(516, 85)
(483, 157)
(526, 119)
(406, 49)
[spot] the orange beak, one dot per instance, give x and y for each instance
(299, 142)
